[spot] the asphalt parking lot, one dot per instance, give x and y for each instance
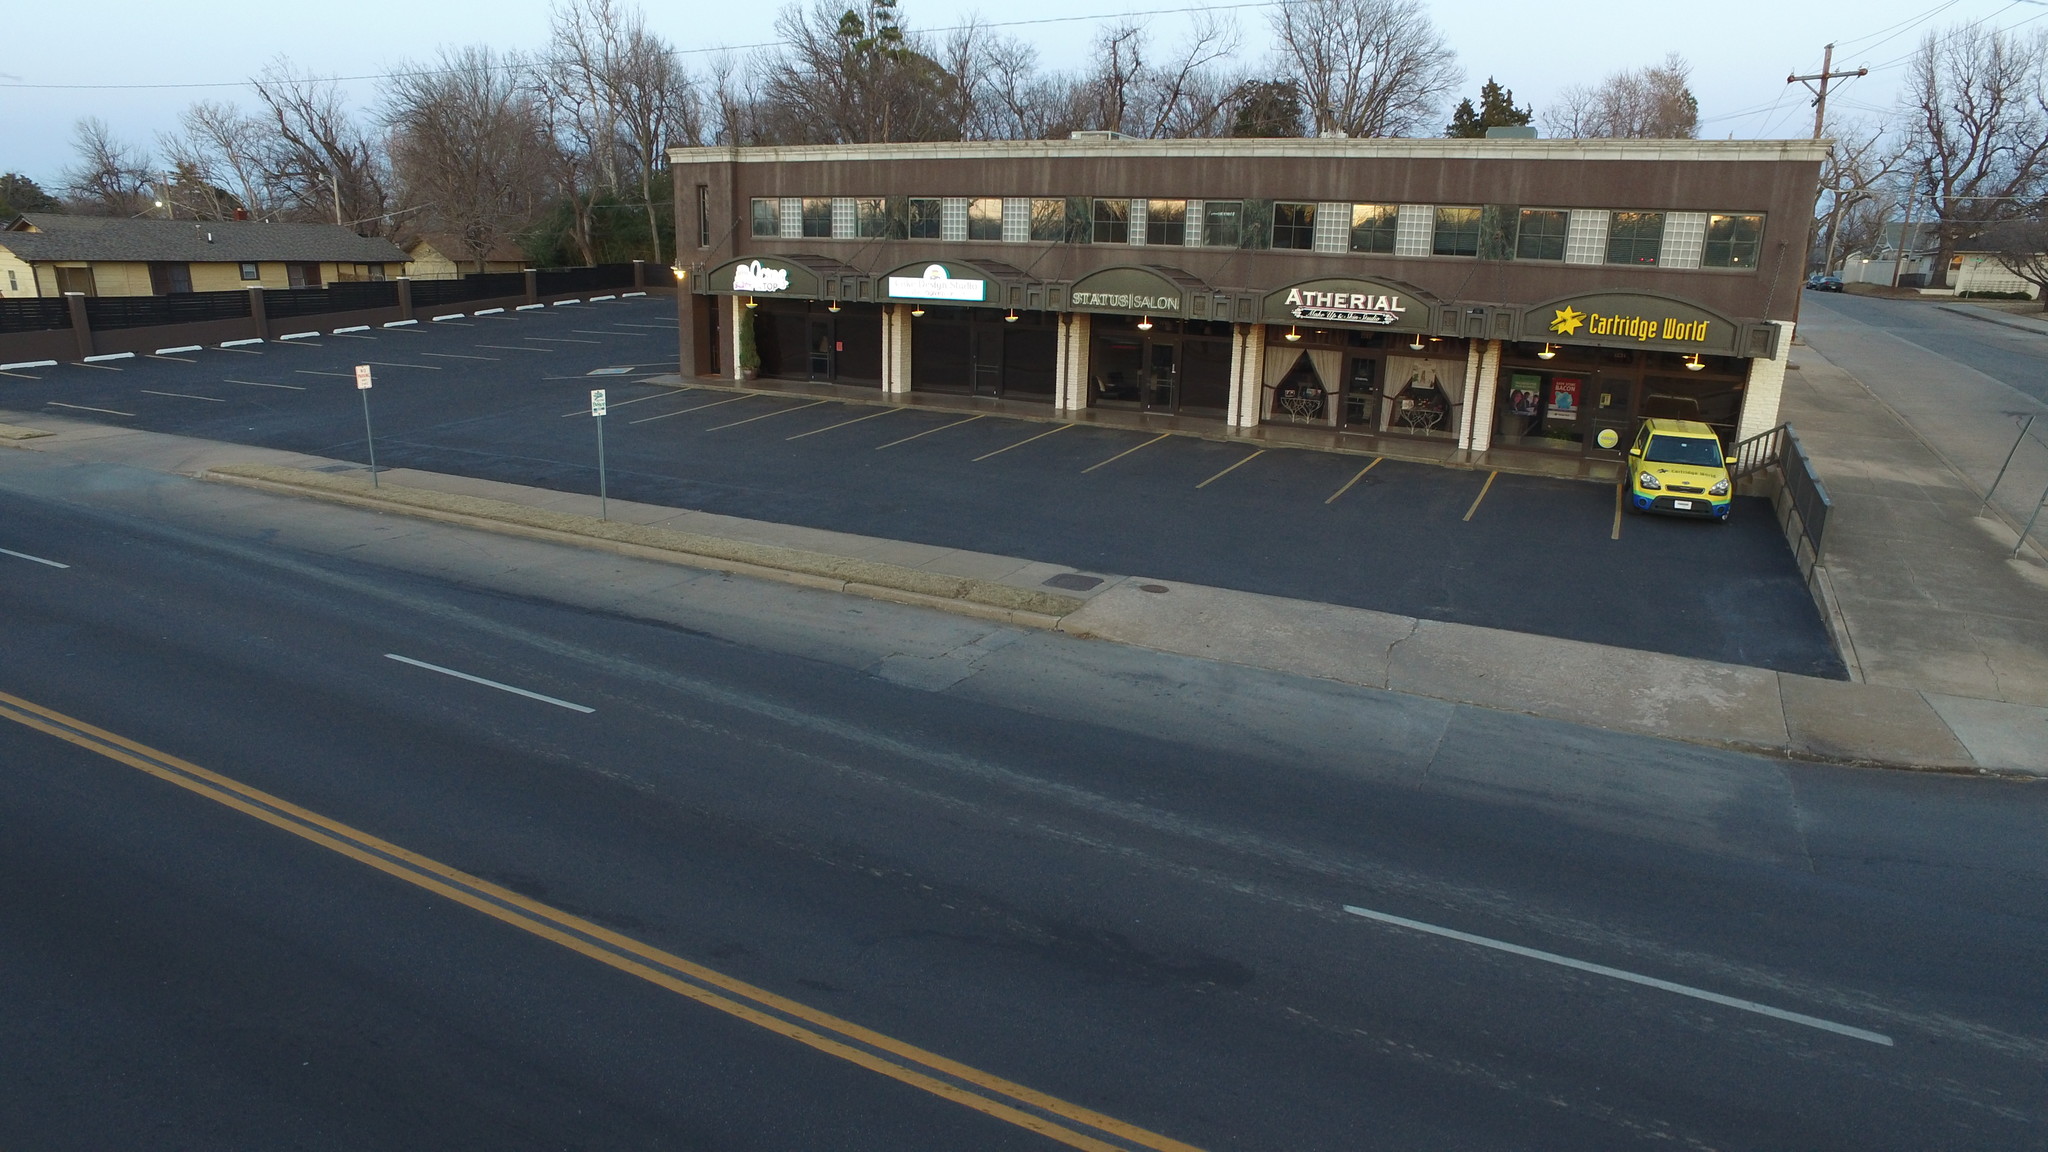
(504, 397)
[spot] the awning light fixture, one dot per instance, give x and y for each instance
(1011, 318)
(1693, 363)
(751, 303)
(1144, 323)
(1292, 337)
(1549, 352)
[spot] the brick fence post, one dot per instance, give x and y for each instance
(81, 324)
(640, 274)
(259, 315)
(405, 297)
(532, 285)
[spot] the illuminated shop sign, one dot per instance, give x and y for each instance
(1131, 300)
(1344, 307)
(1567, 321)
(936, 285)
(753, 277)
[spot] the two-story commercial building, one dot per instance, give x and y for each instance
(1489, 295)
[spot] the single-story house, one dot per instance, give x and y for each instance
(48, 254)
(443, 256)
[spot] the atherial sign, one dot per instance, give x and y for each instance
(1344, 307)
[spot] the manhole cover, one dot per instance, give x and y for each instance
(1151, 587)
(1074, 582)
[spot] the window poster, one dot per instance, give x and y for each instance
(1564, 397)
(1525, 393)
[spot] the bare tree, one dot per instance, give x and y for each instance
(469, 146)
(2021, 246)
(1650, 103)
(1366, 67)
(221, 160)
(1980, 130)
(111, 178)
(323, 161)
(1855, 197)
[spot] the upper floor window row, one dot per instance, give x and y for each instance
(1475, 231)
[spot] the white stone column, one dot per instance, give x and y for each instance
(1479, 401)
(1248, 373)
(1079, 328)
(735, 315)
(895, 350)
(1766, 387)
(1474, 353)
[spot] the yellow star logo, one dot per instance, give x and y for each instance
(1567, 321)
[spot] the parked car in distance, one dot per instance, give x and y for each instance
(1824, 283)
(1676, 466)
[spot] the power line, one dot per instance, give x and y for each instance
(406, 74)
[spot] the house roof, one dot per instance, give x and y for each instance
(456, 249)
(42, 236)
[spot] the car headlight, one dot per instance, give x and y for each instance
(1647, 481)
(1720, 487)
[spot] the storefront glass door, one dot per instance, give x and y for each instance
(1162, 377)
(988, 361)
(821, 348)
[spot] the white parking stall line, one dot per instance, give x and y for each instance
(1630, 977)
(18, 375)
(175, 359)
(26, 556)
(561, 339)
(182, 396)
(261, 384)
(487, 683)
(393, 364)
(458, 356)
(83, 408)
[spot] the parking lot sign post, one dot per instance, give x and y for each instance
(597, 407)
(363, 386)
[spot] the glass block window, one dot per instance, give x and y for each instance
(1166, 222)
(1586, 241)
(1456, 233)
(1373, 227)
(792, 217)
(985, 219)
(1194, 229)
(817, 216)
(871, 217)
(843, 225)
(1138, 221)
(1333, 222)
(1222, 223)
(1635, 237)
(953, 218)
(1112, 222)
(1541, 234)
(1684, 233)
(1016, 220)
(1049, 220)
(767, 216)
(925, 217)
(1732, 241)
(1294, 225)
(1416, 230)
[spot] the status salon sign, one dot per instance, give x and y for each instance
(1628, 319)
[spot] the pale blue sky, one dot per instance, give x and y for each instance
(1741, 50)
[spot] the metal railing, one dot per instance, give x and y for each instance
(1761, 451)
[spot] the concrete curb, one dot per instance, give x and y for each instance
(12, 432)
(872, 579)
(2020, 324)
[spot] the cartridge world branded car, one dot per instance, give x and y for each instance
(1676, 466)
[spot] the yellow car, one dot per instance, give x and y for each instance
(1676, 466)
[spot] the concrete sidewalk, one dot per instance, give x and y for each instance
(1623, 689)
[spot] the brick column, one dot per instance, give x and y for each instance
(81, 323)
(640, 274)
(686, 330)
(1766, 387)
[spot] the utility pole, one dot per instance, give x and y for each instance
(1820, 98)
(1905, 232)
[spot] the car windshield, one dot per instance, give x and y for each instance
(1684, 450)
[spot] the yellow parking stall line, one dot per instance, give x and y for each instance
(1355, 479)
(843, 423)
(929, 431)
(698, 408)
(1126, 452)
(1021, 443)
(1483, 490)
(765, 415)
(1232, 468)
(1618, 489)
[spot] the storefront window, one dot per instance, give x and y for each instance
(1112, 221)
(1457, 232)
(767, 217)
(817, 216)
(1372, 227)
(1049, 220)
(871, 218)
(1634, 237)
(1542, 234)
(1294, 225)
(927, 214)
(1732, 241)
(985, 219)
(1222, 223)
(1166, 222)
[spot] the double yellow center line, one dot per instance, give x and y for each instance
(1049, 1116)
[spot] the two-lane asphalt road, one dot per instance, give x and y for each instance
(307, 852)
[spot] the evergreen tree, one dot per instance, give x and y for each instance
(1496, 110)
(1267, 108)
(20, 194)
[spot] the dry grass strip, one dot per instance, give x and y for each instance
(12, 432)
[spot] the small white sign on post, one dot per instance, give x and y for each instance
(362, 375)
(597, 404)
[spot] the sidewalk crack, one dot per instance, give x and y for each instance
(1414, 626)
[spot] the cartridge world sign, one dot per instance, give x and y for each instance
(1630, 320)
(1347, 302)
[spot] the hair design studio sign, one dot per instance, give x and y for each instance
(936, 282)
